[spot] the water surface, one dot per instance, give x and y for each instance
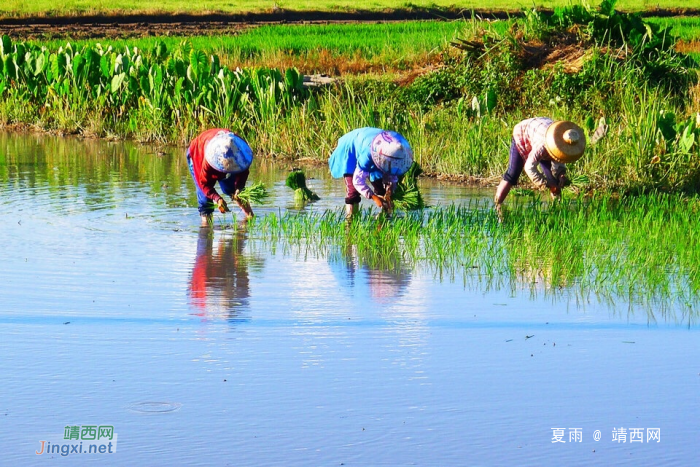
(200, 349)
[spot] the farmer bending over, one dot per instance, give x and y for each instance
(544, 143)
(223, 156)
(374, 154)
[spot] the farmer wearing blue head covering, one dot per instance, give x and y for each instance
(223, 156)
(374, 155)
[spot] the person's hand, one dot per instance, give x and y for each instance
(221, 204)
(563, 181)
(245, 207)
(389, 205)
(379, 201)
(499, 212)
(555, 191)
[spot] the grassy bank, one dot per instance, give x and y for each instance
(76, 7)
(458, 114)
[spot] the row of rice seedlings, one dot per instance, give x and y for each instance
(644, 250)
(318, 48)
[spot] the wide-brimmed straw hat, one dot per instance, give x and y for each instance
(229, 153)
(565, 142)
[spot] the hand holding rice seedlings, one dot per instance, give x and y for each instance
(297, 182)
(255, 193)
(578, 181)
(407, 196)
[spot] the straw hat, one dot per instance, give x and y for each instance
(391, 153)
(565, 142)
(228, 153)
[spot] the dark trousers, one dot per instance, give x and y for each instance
(352, 196)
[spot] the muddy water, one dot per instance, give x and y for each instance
(214, 350)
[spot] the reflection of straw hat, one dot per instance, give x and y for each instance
(391, 153)
(565, 142)
(228, 153)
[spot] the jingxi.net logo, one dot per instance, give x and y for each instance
(80, 439)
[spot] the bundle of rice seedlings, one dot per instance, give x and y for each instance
(406, 196)
(297, 182)
(579, 181)
(255, 193)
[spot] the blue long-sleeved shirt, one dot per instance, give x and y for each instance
(353, 155)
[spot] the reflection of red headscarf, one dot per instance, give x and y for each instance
(219, 282)
(197, 290)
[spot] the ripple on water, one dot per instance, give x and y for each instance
(155, 407)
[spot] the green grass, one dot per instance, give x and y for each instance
(161, 101)
(329, 48)
(71, 7)
(685, 27)
(343, 48)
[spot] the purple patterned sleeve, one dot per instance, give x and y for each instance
(359, 180)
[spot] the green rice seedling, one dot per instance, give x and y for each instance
(407, 196)
(256, 193)
(297, 182)
(638, 250)
(579, 181)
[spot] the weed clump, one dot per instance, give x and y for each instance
(580, 56)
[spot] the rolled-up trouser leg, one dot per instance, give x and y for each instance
(516, 163)
(352, 196)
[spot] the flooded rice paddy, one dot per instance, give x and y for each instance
(224, 349)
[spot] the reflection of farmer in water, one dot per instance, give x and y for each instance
(219, 286)
(386, 281)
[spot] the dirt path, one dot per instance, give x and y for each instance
(123, 26)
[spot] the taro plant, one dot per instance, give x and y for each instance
(159, 85)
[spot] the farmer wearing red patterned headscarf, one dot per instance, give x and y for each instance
(218, 155)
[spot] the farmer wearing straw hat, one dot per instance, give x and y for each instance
(223, 156)
(370, 154)
(544, 143)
